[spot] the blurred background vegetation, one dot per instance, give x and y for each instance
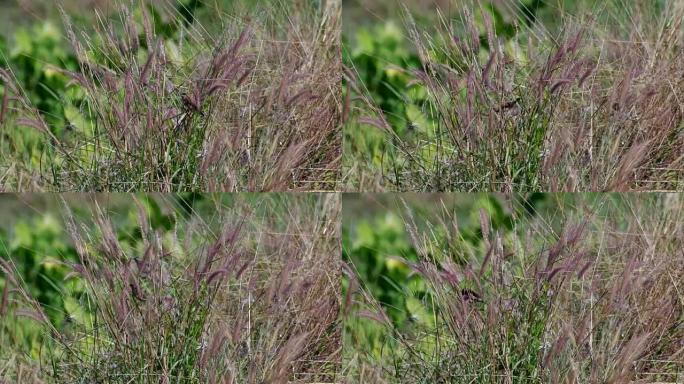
(411, 257)
(34, 238)
(380, 54)
(36, 53)
(376, 243)
(374, 235)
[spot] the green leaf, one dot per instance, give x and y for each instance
(416, 116)
(74, 310)
(77, 120)
(365, 236)
(417, 311)
(23, 43)
(364, 42)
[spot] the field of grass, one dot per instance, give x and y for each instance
(171, 289)
(550, 288)
(176, 170)
(514, 96)
(251, 288)
(172, 96)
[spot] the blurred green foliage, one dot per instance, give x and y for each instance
(38, 57)
(40, 60)
(42, 252)
(384, 58)
(370, 246)
(377, 246)
(380, 55)
(35, 241)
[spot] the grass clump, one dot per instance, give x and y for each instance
(169, 96)
(499, 98)
(247, 293)
(587, 290)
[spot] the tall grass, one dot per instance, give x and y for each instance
(588, 293)
(591, 103)
(247, 102)
(247, 295)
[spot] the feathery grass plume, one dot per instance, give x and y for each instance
(246, 294)
(7, 85)
(174, 99)
(586, 291)
(149, 110)
(280, 129)
(19, 312)
(17, 117)
(590, 103)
